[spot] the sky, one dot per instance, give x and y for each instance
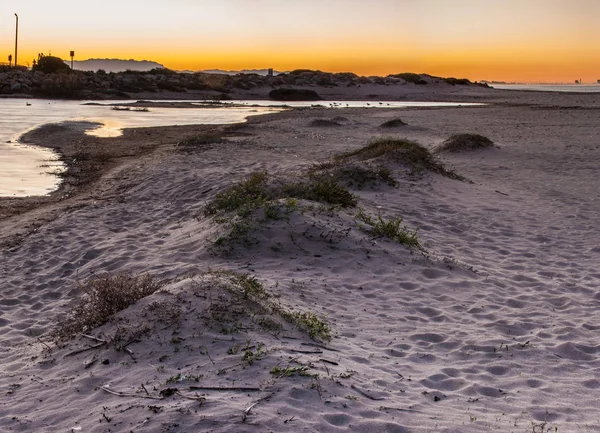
(502, 40)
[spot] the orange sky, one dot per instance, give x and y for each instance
(509, 40)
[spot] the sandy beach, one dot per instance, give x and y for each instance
(295, 314)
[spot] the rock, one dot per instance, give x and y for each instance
(286, 94)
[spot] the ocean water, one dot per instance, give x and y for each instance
(575, 88)
(31, 170)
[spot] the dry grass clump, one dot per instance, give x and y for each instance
(417, 157)
(200, 140)
(393, 123)
(463, 142)
(324, 123)
(104, 297)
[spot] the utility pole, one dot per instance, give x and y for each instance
(16, 38)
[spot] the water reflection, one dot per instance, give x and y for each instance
(26, 170)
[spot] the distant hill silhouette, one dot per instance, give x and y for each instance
(243, 71)
(114, 65)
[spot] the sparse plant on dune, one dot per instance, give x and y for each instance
(391, 228)
(250, 291)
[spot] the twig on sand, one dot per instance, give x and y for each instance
(247, 411)
(91, 337)
(224, 388)
(500, 192)
(45, 344)
(124, 394)
(398, 409)
(365, 394)
(308, 352)
(76, 352)
(320, 346)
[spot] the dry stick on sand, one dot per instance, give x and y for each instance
(365, 394)
(224, 388)
(76, 352)
(123, 394)
(247, 411)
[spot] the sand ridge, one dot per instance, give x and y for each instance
(494, 326)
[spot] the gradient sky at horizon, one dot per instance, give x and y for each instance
(508, 40)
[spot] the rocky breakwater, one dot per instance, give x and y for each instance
(159, 83)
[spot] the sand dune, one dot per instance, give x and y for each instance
(491, 326)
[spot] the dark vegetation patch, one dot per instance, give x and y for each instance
(457, 81)
(200, 141)
(393, 123)
(410, 77)
(464, 142)
(324, 123)
(287, 94)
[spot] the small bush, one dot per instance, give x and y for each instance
(462, 142)
(393, 123)
(103, 298)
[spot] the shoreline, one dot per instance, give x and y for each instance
(490, 325)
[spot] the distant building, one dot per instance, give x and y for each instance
(598, 81)
(270, 72)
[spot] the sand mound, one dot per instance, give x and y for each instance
(405, 152)
(464, 142)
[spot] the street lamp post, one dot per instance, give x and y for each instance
(16, 37)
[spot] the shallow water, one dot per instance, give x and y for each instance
(28, 170)
(576, 88)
